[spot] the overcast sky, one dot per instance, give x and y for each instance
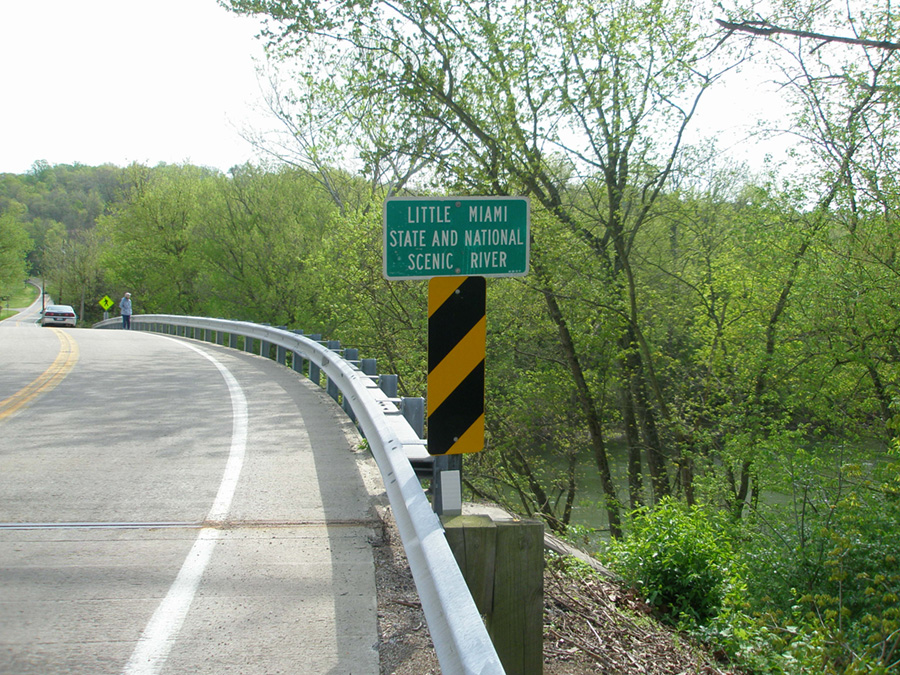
(121, 81)
(149, 81)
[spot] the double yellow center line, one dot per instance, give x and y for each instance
(61, 366)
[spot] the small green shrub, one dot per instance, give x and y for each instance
(678, 558)
(823, 571)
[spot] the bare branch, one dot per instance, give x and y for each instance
(766, 29)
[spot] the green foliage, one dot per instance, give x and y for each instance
(534, 424)
(726, 328)
(58, 207)
(14, 246)
(151, 249)
(385, 320)
(19, 296)
(822, 575)
(23, 296)
(255, 234)
(190, 240)
(569, 566)
(580, 106)
(679, 558)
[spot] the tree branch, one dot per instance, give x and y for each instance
(766, 29)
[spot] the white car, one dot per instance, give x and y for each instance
(58, 315)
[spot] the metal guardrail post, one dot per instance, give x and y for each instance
(351, 356)
(296, 357)
(446, 485)
(369, 367)
(280, 351)
(332, 389)
(297, 362)
(389, 384)
(331, 386)
(315, 373)
(413, 409)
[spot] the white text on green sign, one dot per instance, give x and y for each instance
(427, 237)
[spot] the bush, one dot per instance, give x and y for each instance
(823, 571)
(678, 558)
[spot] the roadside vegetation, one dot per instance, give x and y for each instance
(704, 357)
(18, 298)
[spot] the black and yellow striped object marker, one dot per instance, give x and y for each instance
(457, 329)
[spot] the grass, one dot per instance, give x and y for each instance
(21, 296)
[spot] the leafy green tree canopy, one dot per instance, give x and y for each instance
(14, 246)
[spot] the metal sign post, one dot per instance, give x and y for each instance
(457, 331)
(455, 242)
(106, 302)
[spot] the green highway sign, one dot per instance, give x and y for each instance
(427, 237)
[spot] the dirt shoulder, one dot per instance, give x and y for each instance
(591, 625)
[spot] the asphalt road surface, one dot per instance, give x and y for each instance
(170, 506)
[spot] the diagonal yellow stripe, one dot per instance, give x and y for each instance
(441, 288)
(46, 381)
(471, 441)
(457, 365)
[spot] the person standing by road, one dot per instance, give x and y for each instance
(125, 308)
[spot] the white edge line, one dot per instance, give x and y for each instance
(159, 636)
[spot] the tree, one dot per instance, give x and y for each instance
(354, 151)
(766, 29)
(150, 246)
(14, 247)
(58, 207)
(844, 94)
(534, 99)
(385, 320)
(254, 235)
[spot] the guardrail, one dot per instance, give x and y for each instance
(461, 641)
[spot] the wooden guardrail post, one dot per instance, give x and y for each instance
(502, 561)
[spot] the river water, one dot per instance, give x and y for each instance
(589, 510)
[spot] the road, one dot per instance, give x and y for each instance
(169, 506)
